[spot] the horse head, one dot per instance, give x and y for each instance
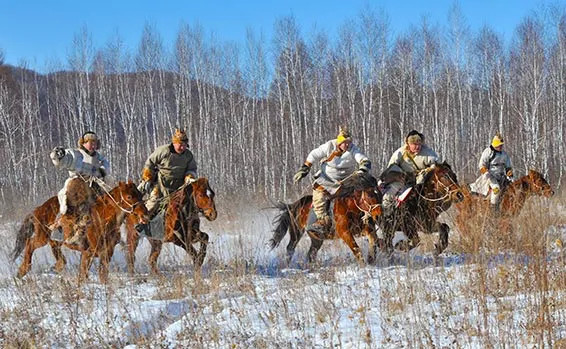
(442, 183)
(203, 197)
(129, 199)
(538, 185)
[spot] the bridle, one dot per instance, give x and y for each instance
(446, 197)
(367, 213)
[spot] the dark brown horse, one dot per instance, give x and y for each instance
(181, 224)
(357, 204)
(513, 198)
(102, 233)
(421, 209)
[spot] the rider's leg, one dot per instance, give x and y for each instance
(55, 227)
(320, 208)
(390, 196)
(152, 205)
(495, 198)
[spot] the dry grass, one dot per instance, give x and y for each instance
(509, 292)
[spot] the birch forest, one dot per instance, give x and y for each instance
(253, 110)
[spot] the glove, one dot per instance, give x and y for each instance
(59, 153)
(301, 173)
(102, 172)
(483, 169)
(144, 187)
(364, 167)
(509, 173)
(189, 179)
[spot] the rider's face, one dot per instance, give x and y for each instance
(90, 145)
(415, 148)
(180, 147)
(344, 145)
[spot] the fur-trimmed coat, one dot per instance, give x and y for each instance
(80, 162)
(168, 168)
(335, 165)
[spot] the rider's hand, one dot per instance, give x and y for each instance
(301, 173)
(58, 153)
(483, 169)
(102, 172)
(509, 173)
(144, 187)
(364, 167)
(189, 179)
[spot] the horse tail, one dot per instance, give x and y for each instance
(25, 232)
(287, 220)
(282, 223)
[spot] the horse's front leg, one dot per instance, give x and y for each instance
(443, 230)
(154, 255)
(369, 231)
(105, 256)
(132, 241)
(86, 261)
(343, 231)
(58, 254)
(203, 238)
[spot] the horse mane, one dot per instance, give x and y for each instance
(353, 183)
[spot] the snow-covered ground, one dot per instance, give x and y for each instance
(247, 297)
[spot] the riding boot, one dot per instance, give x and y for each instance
(144, 228)
(79, 238)
(322, 224)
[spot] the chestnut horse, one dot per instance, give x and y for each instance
(181, 224)
(421, 209)
(357, 204)
(513, 198)
(102, 234)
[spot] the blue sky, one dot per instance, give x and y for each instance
(39, 31)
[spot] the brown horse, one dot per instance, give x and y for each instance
(513, 198)
(181, 224)
(102, 234)
(421, 209)
(357, 204)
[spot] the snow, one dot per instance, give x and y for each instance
(246, 296)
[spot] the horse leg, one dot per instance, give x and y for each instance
(343, 232)
(313, 250)
(154, 254)
(59, 257)
(38, 240)
(295, 234)
(202, 251)
(105, 258)
(442, 239)
(132, 240)
(86, 260)
(372, 242)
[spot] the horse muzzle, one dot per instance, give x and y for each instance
(210, 214)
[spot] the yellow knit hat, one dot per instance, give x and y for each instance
(343, 135)
(180, 136)
(497, 140)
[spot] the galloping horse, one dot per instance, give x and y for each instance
(513, 198)
(102, 234)
(181, 224)
(421, 209)
(357, 204)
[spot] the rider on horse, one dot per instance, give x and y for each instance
(408, 166)
(339, 158)
(496, 172)
(86, 163)
(166, 170)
